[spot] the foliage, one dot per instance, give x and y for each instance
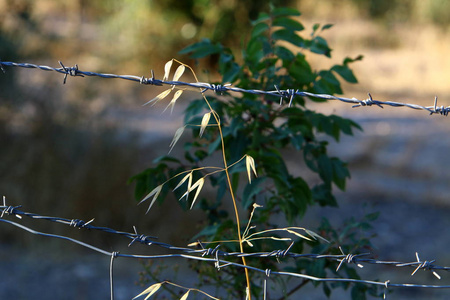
(271, 137)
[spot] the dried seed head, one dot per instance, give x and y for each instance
(250, 164)
(167, 68)
(205, 121)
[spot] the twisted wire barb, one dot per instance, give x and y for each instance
(214, 255)
(267, 272)
(282, 94)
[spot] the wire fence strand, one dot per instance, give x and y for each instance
(287, 94)
(221, 259)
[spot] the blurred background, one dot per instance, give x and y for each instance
(69, 150)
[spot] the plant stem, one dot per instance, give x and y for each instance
(238, 224)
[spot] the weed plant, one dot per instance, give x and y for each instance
(252, 133)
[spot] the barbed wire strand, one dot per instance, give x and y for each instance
(282, 94)
(344, 258)
(223, 262)
(220, 263)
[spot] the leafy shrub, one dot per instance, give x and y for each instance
(258, 129)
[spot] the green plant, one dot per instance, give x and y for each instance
(259, 130)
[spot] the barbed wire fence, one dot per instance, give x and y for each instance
(222, 259)
(282, 94)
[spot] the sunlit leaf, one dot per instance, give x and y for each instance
(179, 72)
(299, 235)
(185, 295)
(159, 97)
(250, 164)
(199, 186)
(150, 291)
(188, 176)
(205, 121)
(189, 187)
(155, 193)
(167, 69)
(172, 102)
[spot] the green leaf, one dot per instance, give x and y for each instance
(259, 29)
(327, 26)
(301, 194)
(301, 71)
(345, 73)
(250, 190)
(214, 145)
(320, 46)
(325, 168)
(314, 29)
(284, 53)
(340, 173)
(288, 23)
(372, 216)
(326, 84)
(166, 158)
(261, 18)
(231, 73)
(348, 60)
(194, 108)
(326, 290)
(254, 52)
(210, 230)
(285, 11)
(322, 195)
(359, 292)
(288, 36)
(202, 49)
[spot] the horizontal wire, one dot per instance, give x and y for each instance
(282, 94)
(225, 263)
(149, 240)
(349, 258)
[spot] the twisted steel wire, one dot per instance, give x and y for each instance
(215, 253)
(282, 94)
(189, 253)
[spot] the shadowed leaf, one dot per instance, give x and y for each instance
(176, 137)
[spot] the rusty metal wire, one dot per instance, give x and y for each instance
(217, 257)
(282, 94)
